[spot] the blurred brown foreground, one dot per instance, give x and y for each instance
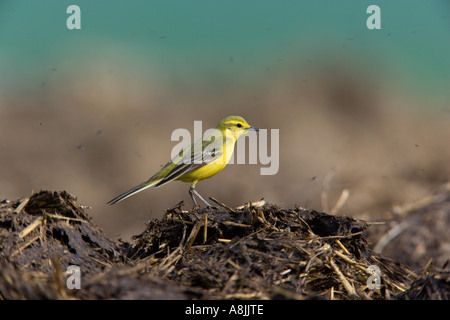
(100, 133)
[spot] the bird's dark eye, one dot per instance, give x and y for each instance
(239, 125)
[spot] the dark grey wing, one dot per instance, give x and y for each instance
(191, 159)
(178, 171)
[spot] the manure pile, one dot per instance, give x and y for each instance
(256, 251)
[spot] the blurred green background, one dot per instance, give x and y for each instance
(91, 111)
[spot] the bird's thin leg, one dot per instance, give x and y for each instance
(201, 198)
(193, 192)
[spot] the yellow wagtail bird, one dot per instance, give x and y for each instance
(201, 160)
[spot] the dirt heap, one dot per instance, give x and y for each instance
(256, 251)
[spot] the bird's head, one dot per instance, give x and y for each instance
(235, 125)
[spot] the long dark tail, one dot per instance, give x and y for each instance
(130, 192)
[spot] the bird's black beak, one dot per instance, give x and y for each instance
(253, 128)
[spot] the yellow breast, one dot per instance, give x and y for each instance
(213, 167)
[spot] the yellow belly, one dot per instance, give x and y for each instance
(211, 168)
(203, 173)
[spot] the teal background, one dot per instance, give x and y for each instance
(230, 40)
